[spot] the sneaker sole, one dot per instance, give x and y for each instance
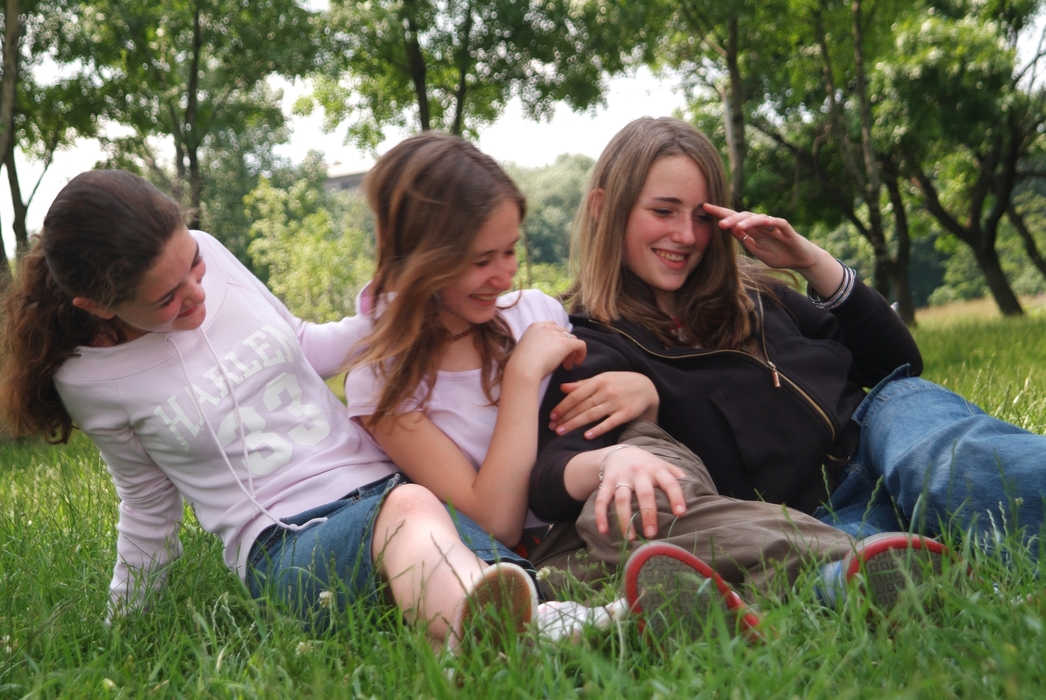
(890, 563)
(673, 591)
(505, 591)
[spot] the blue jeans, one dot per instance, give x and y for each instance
(929, 461)
(334, 555)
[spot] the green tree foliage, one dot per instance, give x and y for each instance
(553, 198)
(237, 156)
(315, 247)
(190, 71)
(40, 118)
(454, 65)
(873, 112)
(788, 82)
(551, 278)
(725, 52)
(966, 117)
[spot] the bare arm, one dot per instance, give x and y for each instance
(495, 496)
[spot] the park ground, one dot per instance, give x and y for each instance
(979, 637)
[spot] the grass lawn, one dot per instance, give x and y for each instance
(204, 638)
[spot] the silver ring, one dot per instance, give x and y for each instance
(568, 334)
(620, 484)
(745, 238)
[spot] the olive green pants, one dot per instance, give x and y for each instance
(749, 543)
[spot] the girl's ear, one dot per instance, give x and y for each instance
(92, 307)
(595, 202)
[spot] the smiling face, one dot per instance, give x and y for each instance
(472, 298)
(668, 230)
(170, 296)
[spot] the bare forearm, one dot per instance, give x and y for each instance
(825, 275)
(581, 476)
(500, 489)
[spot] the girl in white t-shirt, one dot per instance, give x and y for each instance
(449, 380)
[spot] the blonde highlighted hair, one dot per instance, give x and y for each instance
(713, 306)
(431, 194)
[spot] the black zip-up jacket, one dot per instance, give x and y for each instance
(776, 430)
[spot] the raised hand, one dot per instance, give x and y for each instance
(772, 240)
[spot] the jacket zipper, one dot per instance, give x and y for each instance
(776, 375)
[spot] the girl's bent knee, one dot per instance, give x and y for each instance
(411, 500)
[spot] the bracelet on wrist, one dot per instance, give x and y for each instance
(603, 462)
(840, 295)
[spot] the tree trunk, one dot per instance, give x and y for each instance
(735, 119)
(417, 65)
(899, 281)
(12, 34)
(860, 179)
(192, 136)
(464, 57)
(988, 261)
(20, 208)
(1030, 246)
(982, 244)
(872, 187)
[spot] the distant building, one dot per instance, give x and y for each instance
(338, 178)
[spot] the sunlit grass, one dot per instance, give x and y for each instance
(203, 637)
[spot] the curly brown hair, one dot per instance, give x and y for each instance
(102, 233)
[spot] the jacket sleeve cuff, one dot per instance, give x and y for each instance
(549, 498)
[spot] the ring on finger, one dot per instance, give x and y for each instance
(620, 484)
(747, 236)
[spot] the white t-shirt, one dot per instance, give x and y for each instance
(457, 405)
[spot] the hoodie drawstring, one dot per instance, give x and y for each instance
(243, 438)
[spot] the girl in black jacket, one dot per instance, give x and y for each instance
(765, 385)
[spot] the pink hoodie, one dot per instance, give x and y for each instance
(162, 410)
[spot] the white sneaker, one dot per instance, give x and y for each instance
(563, 619)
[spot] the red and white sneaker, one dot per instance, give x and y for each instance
(672, 592)
(885, 564)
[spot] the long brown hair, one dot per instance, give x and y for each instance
(431, 195)
(103, 232)
(713, 305)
